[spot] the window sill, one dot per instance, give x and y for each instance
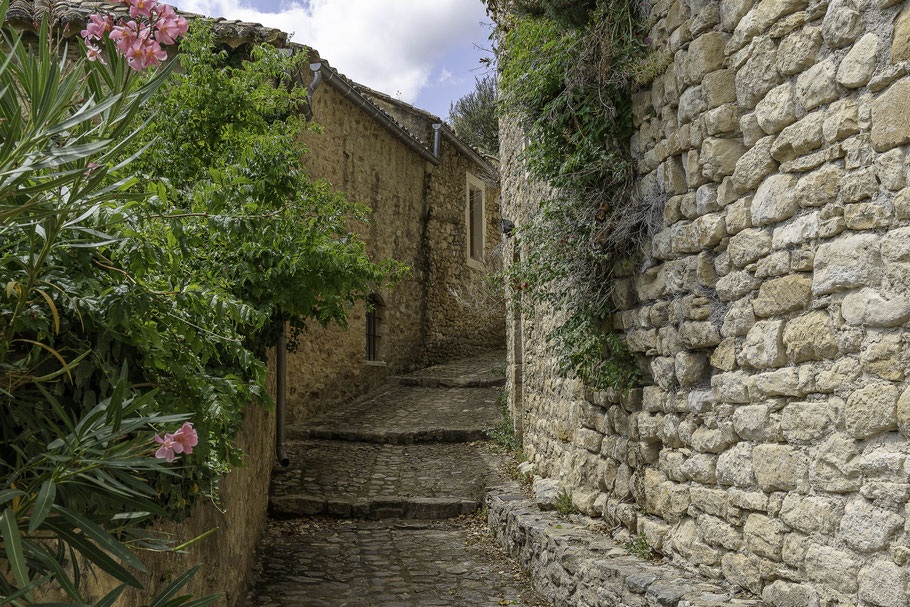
(477, 265)
(374, 363)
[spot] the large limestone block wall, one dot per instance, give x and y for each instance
(771, 444)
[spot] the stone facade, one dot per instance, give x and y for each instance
(443, 310)
(770, 446)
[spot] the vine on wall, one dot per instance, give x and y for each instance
(567, 73)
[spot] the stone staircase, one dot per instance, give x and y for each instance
(408, 450)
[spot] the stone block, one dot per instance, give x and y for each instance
(799, 138)
(835, 465)
(736, 284)
(758, 75)
(777, 109)
(719, 87)
(691, 104)
(749, 245)
(734, 466)
(871, 410)
(859, 185)
(700, 334)
(763, 347)
(775, 200)
(731, 387)
(869, 308)
(883, 358)
(810, 337)
(754, 166)
(819, 187)
(857, 67)
(848, 262)
(866, 529)
(891, 117)
(804, 423)
(900, 47)
(719, 157)
(778, 467)
(883, 583)
(841, 120)
(752, 422)
(765, 14)
(798, 51)
(764, 536)
(782, 295)
(786, 594)
(780, 382)
(867, 215)
(842, 23)
(810, 515)
(838, 569)
(891, 169)
(706, 54)
(799, 231)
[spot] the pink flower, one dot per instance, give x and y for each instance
(126, 35)
(186, 436)
(170, 25)
(169, 447)
(96, 27)
(142, 7)
(94, 54)
(145, 52)
(92, 165)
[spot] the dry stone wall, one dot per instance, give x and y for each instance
(771, 446)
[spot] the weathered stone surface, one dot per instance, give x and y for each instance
(882, 358)
(734, 466)
(900, 47)
(785, 594)
(883, 583)
(706, 54)
(730, 387)
(866, 528)
(891, 169)
(835, 465)
(775, 200)
(782, 295)
(842, 23)
(704, 232)
(778, 467)
(836, 568)
(780, 382)
(798, 51)
(891, 117)
(777, 109)
(810, 337)
(763, 347)
(764, 536)
(870, 309)
(846, 263)
(841, 120)
(817, 85)
(895, 251)
(754, 166)
(799, 231)
(546, 492)
(719, 157)
(859, 185)
(811, 514)
(819, 187)
(752, 422)
(719, 87)
(872, 409)
(749, 245)
(736, 284)
(763, 16)
(799, 138)
(691, 103)
(857, 67)
(759, 74)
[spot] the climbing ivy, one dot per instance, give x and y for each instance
(567, 73)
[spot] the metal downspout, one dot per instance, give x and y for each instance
(281, 362)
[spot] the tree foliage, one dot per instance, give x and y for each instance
(154, 234)
(474, 117)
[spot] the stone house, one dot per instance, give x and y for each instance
(771, 443)
(435, 203)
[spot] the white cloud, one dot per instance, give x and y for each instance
(391, 46)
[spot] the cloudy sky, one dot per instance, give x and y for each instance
(420, 51)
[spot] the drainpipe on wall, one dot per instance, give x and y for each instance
(281, 362)
(437, 139)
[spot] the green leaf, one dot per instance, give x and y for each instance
(9, 528)
(101, 537)
(23, 591)
(174, 586)
(8, 494)
(42, 505)
(92, 553)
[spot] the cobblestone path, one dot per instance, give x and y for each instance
(376, 507)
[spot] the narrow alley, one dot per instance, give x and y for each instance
(379, 505)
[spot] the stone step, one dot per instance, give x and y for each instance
(369, 480)
(404, 415)
(420, 508)
(447, 382)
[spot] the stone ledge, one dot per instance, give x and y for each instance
(407, 507)
(574, 566)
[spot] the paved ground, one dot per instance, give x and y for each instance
(398, 472)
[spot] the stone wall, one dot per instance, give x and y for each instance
(771, 446)
(418, 218)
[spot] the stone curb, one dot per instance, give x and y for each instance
(574, 566)
(418, 508)
(407, 437)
